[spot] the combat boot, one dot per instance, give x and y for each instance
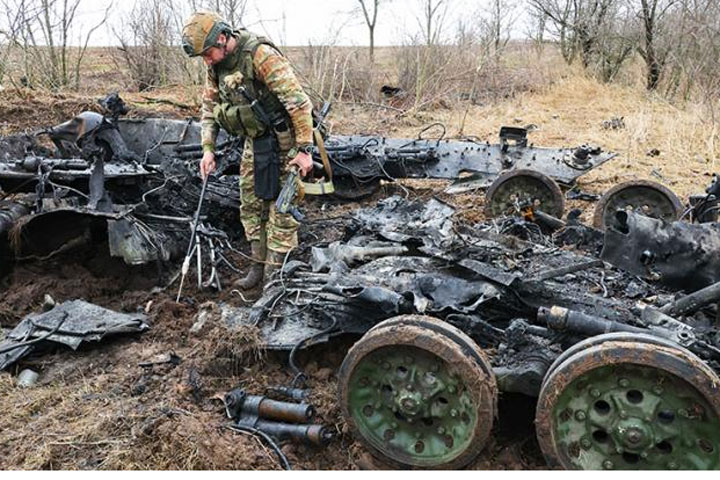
(255, 272)
(274, 263)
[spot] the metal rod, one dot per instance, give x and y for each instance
(191, 244)
(693, 302)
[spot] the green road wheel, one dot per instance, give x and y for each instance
(517, 190)
(630, 404)
(417, 392)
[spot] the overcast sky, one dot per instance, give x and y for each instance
(300, 22)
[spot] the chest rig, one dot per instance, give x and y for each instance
(238, 87)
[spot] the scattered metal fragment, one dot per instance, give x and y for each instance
(679, 255)
(27, 378)
(70, 323)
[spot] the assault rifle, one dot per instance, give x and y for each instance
(294, 188)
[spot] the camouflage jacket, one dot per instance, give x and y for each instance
(275, 72)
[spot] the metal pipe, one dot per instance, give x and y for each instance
(559, 318)
(314, 434)
(693, 302)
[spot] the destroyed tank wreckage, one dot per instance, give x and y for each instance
(450, 315)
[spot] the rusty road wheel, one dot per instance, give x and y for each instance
(418, 393)
(643, 196)
(629, 402)
(519, 189)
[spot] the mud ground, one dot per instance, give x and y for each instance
(96, 408)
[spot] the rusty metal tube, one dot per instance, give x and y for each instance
(284, 411)
(559, 318)
(314, 434)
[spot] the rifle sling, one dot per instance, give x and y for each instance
(321, 188)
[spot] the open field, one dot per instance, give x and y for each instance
(97, 409)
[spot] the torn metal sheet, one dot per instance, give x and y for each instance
(472, 164)
(70, 323)
(679, 255)
(449, 273)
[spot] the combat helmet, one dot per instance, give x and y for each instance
(201, 31)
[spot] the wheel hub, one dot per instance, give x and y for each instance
(410, 404)
(633, 435)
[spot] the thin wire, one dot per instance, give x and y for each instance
(284, 462)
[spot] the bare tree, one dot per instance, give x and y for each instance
(231, 10)
(536, 29)
(432, 19)
(496, 21)
(369, 9)
(655, 46)
(9, 34)
(42, 30)
(600, 31)
(148, 44)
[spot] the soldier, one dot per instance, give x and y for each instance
(252, 92)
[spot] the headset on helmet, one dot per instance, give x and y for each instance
(201, 32)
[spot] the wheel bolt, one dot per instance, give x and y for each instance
(689, 443)
(451, 389)
(608, 465)
(377, 405)
(624, 382)
(580, 415)
(672, 466)
(394, 425)
(623, 414)
(683, 413)
(643, 455)
(594, 392)
(425, 396)
(619, 450)
(453, 413)
(410, 388)
(441, 430)
(657, 389)
(585, 443)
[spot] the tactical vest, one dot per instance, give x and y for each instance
(234, 112)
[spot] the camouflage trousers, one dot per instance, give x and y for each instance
(280, 229)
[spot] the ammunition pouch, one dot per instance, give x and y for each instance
(239, 120)
(266, 167)
(284, 136)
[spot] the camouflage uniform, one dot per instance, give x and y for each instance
(274, 77)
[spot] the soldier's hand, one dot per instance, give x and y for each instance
(207, 164)
(304, 163)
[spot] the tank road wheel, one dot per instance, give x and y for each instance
(418, 392)
(629, 402)
(523, 188)
(643, 196)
